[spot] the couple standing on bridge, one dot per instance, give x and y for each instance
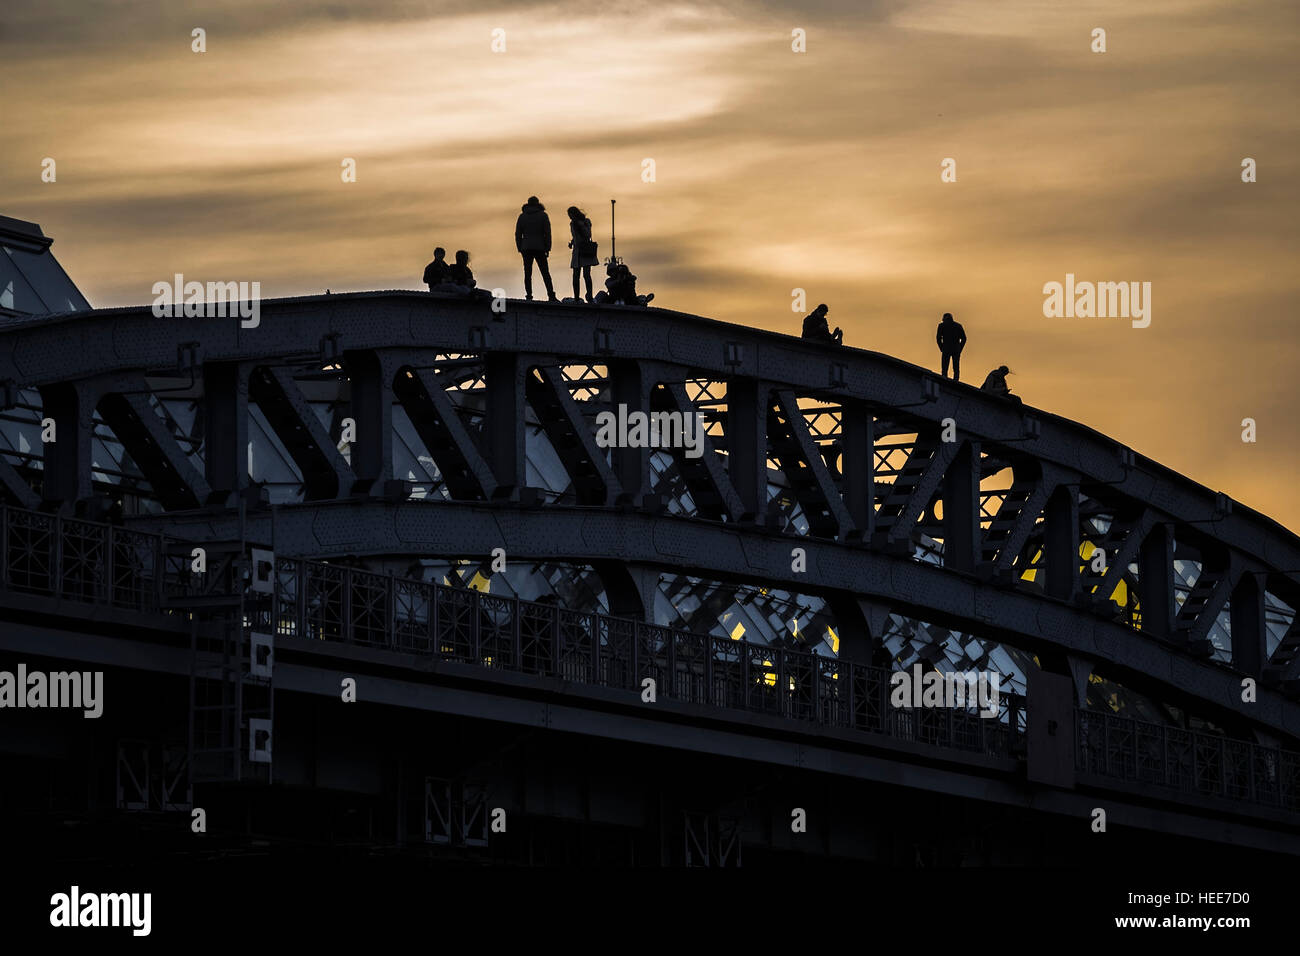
(533, 241)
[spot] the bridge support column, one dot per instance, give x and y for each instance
(1049, 730)
(747, 400)
(503, 431)
(857, 465)
(961, 509)
(860, 624)
(372, 409)
(225, 428)
(1249, 634)
(1156, 582)
(630, 589)
(628, 386)
(66, 474)
(1061, 543)
(1080, 671)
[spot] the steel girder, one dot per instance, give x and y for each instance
(640, 540)
(81, 346)
(386, 344)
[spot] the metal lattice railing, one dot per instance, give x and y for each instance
(74, 560)
(328, 602)
(1157, 755)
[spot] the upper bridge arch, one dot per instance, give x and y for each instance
(835, 448)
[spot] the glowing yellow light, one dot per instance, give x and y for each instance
(479, 583)
(834, 639)
(769, 677)
(738, 632)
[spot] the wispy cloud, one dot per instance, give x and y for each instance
(775, 170)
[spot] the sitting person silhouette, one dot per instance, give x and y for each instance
(621, 287)
(460, 279)
(437, 271)
(996, 383)
(460, 273)
(817, 329)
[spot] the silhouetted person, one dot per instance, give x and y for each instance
(620, 284)
(584, 249)
(996, 383)
(817, 329)
(951, 339)
(533, 240)
(460, 280)
(460, 273)
(437, 271)
(620, 287)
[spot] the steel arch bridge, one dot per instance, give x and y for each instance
(324, 457)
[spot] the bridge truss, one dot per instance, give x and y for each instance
(377, 449)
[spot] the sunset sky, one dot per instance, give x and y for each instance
(774, 170)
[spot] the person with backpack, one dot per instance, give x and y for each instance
(584, 250)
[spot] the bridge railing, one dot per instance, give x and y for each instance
(1187, 760)
(319, 601)
(76, 560)
(70, 559)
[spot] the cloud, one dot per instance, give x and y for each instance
(775, 171)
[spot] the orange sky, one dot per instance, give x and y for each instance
(774, 170)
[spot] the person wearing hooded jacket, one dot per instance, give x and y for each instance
(584, 250)
(533, 240)
(996, 382)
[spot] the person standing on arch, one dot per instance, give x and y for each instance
(951, 338)
(533, 240)
(584, 250)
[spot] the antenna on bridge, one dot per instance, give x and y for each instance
(613, 259)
